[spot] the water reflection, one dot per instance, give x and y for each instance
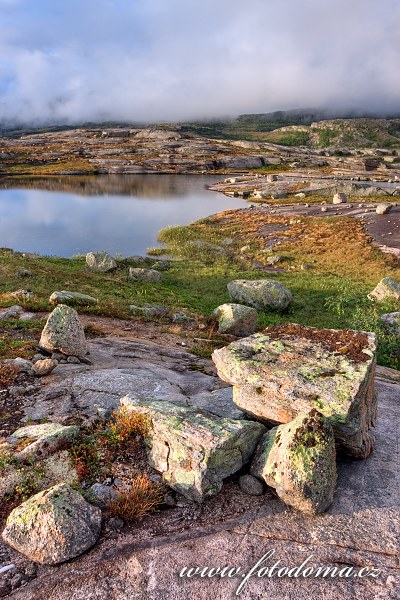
(117, 213)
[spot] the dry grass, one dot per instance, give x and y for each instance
(142, 498)
(126, 425)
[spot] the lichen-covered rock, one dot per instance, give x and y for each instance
(64, 332)
(100, 261)
(387, 289)
(44, 367)
(236, 319)
(299, 461)
(289, 369)
(262, 294)
(71, 298)
(45, 439)
(149, 311)
(194, 450)
(150, 275)
(53, 526)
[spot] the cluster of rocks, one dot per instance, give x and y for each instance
(105, 263)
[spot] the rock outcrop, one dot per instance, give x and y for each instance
(290, 369)
(299, 461)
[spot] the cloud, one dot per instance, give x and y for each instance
(152, 60)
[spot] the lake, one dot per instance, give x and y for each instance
(122, 214)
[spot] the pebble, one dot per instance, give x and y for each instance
(251, 485)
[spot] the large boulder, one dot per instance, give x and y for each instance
(194, 450)
(100, 261)
(299, 461)
(236, 319)
(387, 289)
(53, 526)
(262, 294)
(64, 332)
(290, 369)
(71, 298)
(150, 275)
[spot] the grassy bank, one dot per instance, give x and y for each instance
(327, 263)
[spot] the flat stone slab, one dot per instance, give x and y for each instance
(194, 450)
(71, 298)
(290, 369)
(360, 529)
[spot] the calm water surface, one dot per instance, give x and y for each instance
(116, 213)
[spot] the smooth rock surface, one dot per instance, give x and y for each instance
(236, 319)
(64, 332)
(194, 450)
(262, 294)
(277, 379)
(100, 261)
(53, 526)
(299, 461)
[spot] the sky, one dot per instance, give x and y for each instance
(73, 61)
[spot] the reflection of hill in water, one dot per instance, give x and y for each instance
(142, 186)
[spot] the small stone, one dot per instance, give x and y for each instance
(73, 360)
(150, 275)
(182, 319)
(274, 259)
(53, 526)
(72, 298)
(149, 311)
(236, 319)
(251, 485)
(339, 198)
(169, 500)
(392, 320)
(103, 494)
(12, 312)
(23, 273)
(22, 363)
(17, 580)
(387, 289)
(324, 209)
(100, 261)
(37, 357)
(115, 523)
(58, 356)
(383, 209)
(161, 265)
(44, 367)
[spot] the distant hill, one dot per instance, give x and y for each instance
(313, 127)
